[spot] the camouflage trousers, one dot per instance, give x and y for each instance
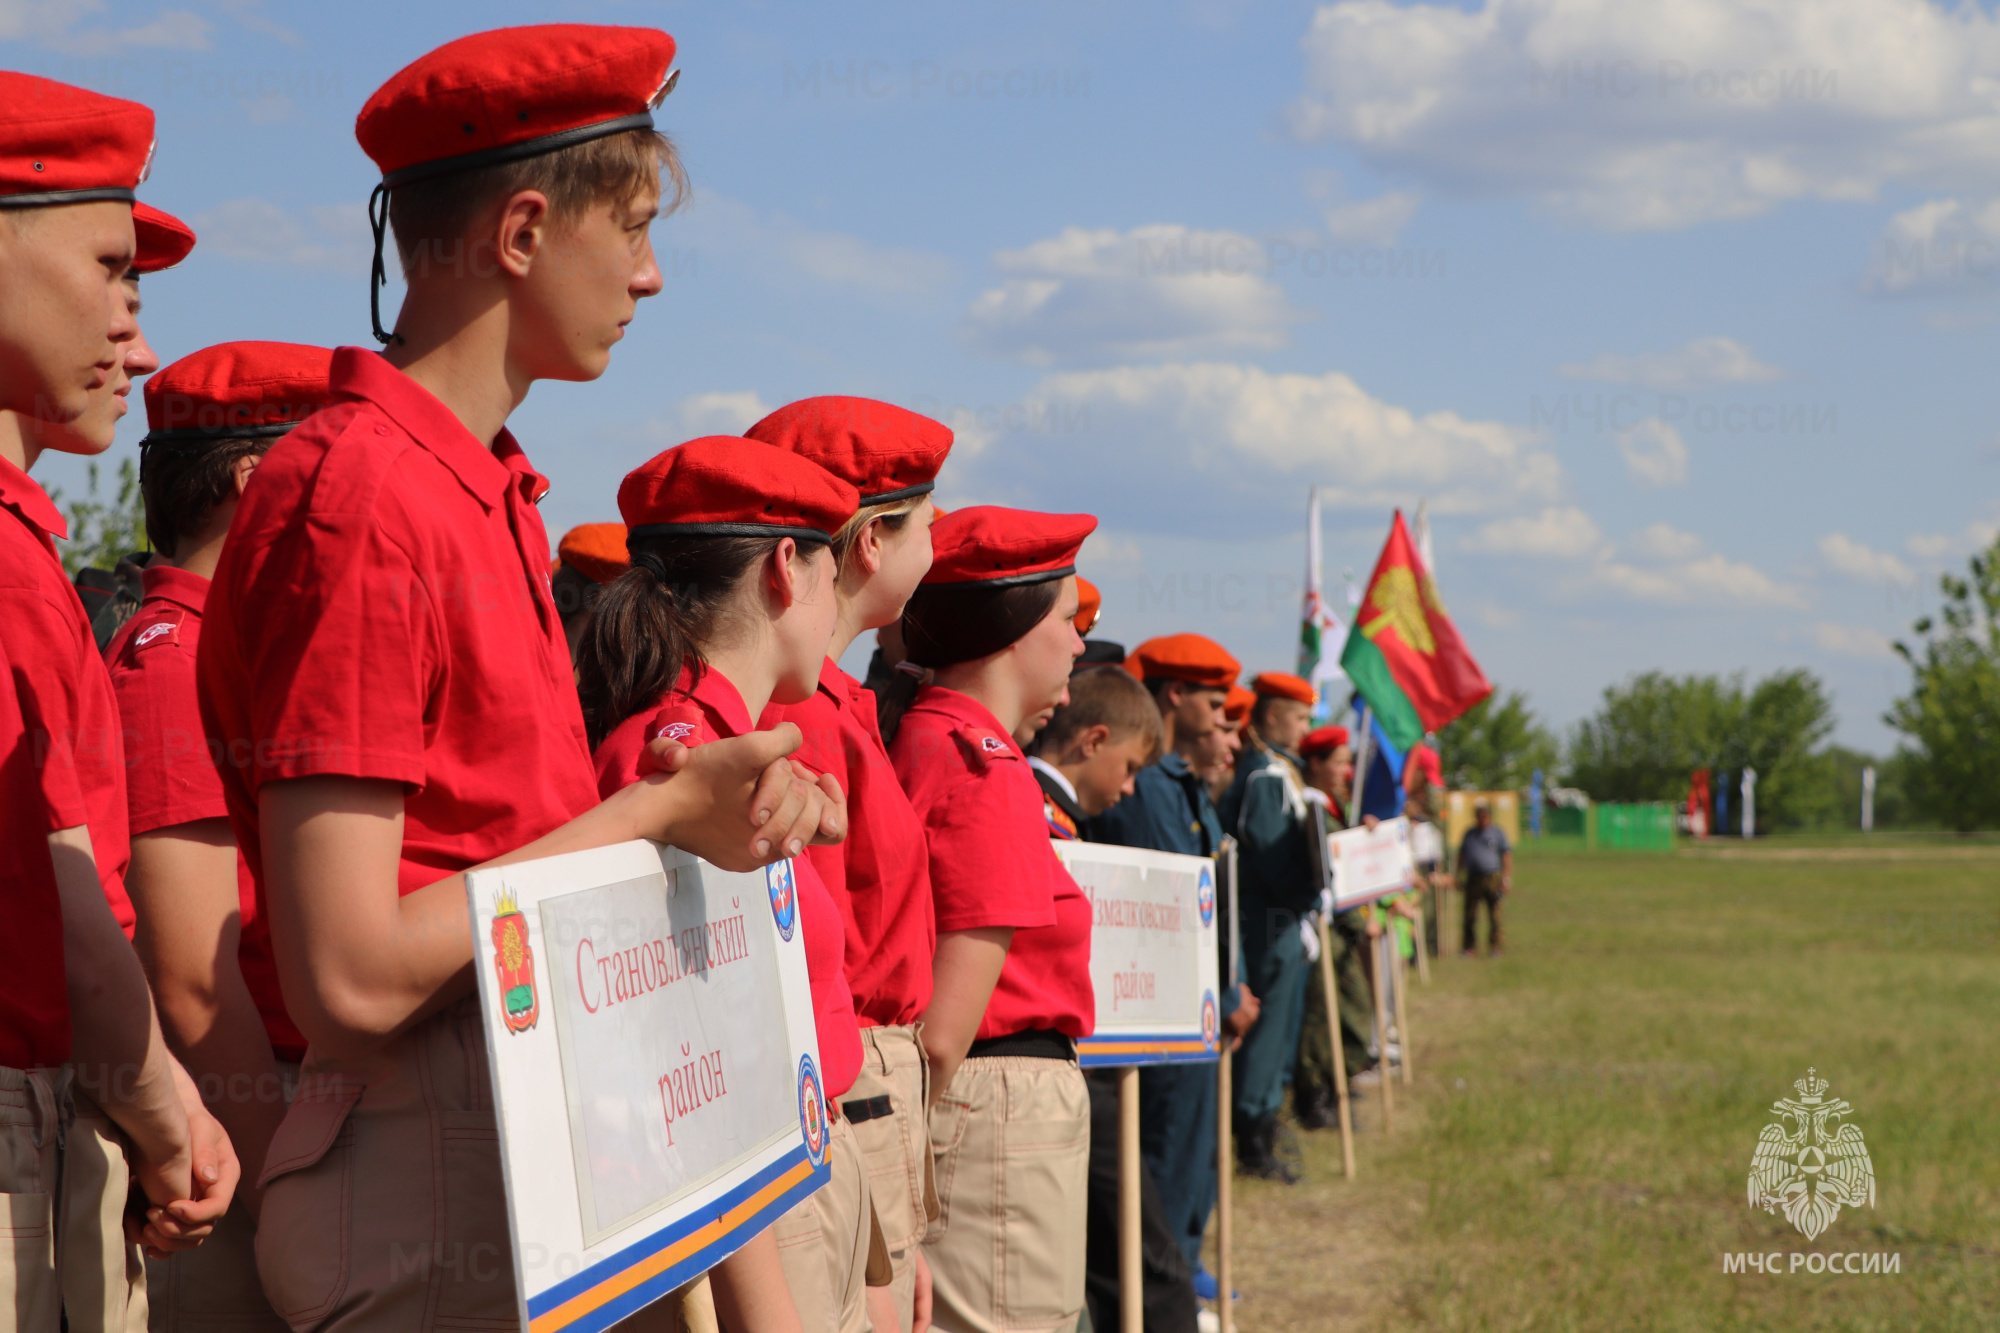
(1314, 1067)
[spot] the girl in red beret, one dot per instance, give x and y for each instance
(728, 608)
(991, 638)
(880, 876)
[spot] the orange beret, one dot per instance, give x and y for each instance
(727, 486)
(887, 453)
(1323, 740)
(1280, 685)
(595, 550)
(1089, 603)
(1189, 657)
(1238, 705)
(236, 389)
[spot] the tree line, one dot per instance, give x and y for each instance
(1652, 730)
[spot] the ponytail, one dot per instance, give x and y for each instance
(649, 623)
(945, 624)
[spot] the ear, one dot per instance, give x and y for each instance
(518, 233)
(866, 552)
(240, 474)
(1092, 738)
(783, 575)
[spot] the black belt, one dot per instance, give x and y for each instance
(1041, 1043)
(863, 1109)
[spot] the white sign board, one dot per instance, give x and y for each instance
(1153, 955)
(1371, 863)
(655, 1071)
(1426, 843)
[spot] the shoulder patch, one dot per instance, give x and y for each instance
(983, 745)
(678, 722)
(157, 633)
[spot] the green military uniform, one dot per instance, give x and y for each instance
(1313, 1088)
(1265, 809)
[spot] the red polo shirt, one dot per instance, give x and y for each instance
(709, 708)
(382, 610)
(61, 765)
(991, 864)
(880, 877)
(170, 777)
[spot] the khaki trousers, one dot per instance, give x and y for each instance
(384, 1207)
(216, 1287)
(1012, 1142)
(64, 1180)
(897, 1148)
(823, 1242)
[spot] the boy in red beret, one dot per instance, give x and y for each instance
(1171, 810)
(74, 1003)
(385, 674)
(201, 931)
(1265, 809)
(1329, 762)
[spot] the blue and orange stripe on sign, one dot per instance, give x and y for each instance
(615, 1286)
(1142, 1049)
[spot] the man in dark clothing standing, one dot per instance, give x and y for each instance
(1170, 811)
(1486, 860)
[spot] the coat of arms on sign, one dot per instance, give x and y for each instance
(1808, 1163)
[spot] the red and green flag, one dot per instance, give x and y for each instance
(1404, 654)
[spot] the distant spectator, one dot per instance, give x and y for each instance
(1486, 860)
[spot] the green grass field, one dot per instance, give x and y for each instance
(1574, 1151)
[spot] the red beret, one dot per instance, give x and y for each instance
(995, 546)
(595, 550)
(1089, 601)
(1189, 657)
(63, 145)
(1239, 703)
(1323, 740)
(164, 240)
(513, 93)
(727, 486)
(1422, 759)
(887, 453)
(235, 389)
(1282, 685)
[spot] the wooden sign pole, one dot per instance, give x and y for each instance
(1339, 1053)
(1387, 1080)
(1225, 1105)
(1131, 1271)
(1396, 973)
(1423, 940)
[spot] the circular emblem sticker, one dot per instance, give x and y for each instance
(784, 897)
(812, 1113)
(1211, 1031)
(1204, 897)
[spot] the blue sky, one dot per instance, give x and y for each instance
(1679, 316)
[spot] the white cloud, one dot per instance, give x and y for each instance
(1563, 532)
(730, 227)
(1377, 221)
(1701, 363)
(1230, 447)
(58, 25)
(1663, 541)
(1929, 545)
(1160, 291)
(1851, 641)
(1654, 453)
(333, 236)
(722, 413)
(1630, 115)
(1940, 247)
(1708, 580)
(1974, 536)
(1846, 556)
